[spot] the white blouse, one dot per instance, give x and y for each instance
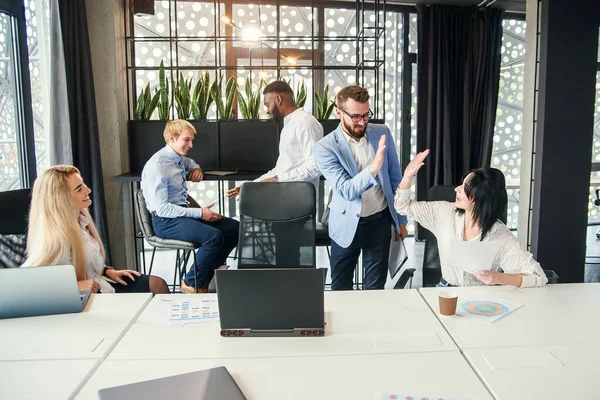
(441, 218)
(95, 261)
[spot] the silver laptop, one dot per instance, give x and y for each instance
(271, 302)
(33, 291)
(211, 384)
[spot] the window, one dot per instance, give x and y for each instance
(21, 59)
(593, 210)
(191, 37)
(506, 152)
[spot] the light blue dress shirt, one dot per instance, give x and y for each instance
(164, 184)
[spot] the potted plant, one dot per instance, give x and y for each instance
(249, 143)
(207, 150)
(324, 109)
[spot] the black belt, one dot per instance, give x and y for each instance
(154, 214)
(374, 217)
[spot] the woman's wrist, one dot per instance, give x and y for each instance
(105, 270)
(405, 183)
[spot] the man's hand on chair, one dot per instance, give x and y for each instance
(209, 215)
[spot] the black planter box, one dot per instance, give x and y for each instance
(248, 145)
(329, 125)
(146, 138)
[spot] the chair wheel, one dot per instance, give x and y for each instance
(598, 235)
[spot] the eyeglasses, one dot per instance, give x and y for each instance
(357, 118)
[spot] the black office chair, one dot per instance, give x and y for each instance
(184, 249)
(432, 269)
(14, 211)
(277, 225)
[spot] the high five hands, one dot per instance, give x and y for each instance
(379, 157)
(412, 168)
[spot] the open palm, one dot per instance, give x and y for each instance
(416, 163)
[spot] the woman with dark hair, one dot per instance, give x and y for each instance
(476, 215)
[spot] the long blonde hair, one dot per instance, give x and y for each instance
(54, 222)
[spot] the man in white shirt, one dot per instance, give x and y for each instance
(296, 162)
(359, 160)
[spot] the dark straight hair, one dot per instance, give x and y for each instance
(487, 188)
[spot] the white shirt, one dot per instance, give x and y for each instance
(441, 218)
(95, 261)
(296, 161)
(373, 199)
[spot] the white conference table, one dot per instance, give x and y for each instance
(42, 379)
(322, 377)
(85, 335)
(539, 372)
(358, 322)
(559, 314)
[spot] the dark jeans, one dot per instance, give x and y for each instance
(372, 236)
(216, 240)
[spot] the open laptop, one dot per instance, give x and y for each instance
(33, 291)
(211, 384)
(271, 302)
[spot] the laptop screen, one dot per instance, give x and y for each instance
(271, 299)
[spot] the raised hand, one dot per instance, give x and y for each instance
(416, 163)
(412, 168)
(379, 157)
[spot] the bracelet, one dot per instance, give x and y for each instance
(106, 267)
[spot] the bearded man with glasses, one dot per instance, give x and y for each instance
(360, 162)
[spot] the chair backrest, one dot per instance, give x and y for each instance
(277, 225)
(432, 269)
(14, 211)
(143, 215)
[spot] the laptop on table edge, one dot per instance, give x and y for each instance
(35, 291)
(271, 302)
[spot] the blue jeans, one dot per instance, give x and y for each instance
(372, 237)
(216, 240)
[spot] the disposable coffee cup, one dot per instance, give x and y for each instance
(448, 302)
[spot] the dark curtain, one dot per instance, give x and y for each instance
(82, 108)
(457, 90)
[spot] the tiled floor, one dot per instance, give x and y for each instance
(164, 260)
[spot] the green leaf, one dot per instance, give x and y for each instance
(139, 108)
(329, 109)
(242, 106)
(153, 103)
(319, 105)
(230, 92)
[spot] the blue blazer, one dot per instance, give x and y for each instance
(336, 162)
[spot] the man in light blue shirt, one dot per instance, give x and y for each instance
(165, 190)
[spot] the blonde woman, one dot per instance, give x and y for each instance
(61, 231)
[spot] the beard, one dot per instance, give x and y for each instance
(355, 131)
(276, 115)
